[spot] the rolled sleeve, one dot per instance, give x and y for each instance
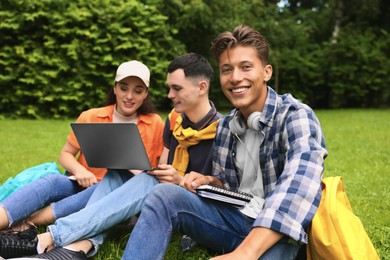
(291, 205)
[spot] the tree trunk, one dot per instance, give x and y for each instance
(339, 10)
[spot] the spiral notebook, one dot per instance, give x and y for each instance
(222, 194)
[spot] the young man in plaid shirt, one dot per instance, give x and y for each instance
(270, 146)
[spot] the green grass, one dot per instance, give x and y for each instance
(358, 142)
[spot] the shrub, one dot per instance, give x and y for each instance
(59, 57)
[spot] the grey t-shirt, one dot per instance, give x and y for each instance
(249, 171)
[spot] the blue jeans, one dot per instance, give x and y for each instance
(41, 192)
(73, 203)
(116, 198)
(214, 225)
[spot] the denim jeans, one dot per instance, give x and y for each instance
(73, 203)
(215, 225)
(41, 192)
(116, 198)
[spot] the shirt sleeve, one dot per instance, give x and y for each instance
(291, 205)
(71, 137)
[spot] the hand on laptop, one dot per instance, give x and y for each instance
(166, 174)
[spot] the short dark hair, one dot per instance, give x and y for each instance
(194, 65)
(242, 35)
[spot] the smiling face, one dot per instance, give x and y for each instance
(183, 92)
(130, 93)
(243, 78)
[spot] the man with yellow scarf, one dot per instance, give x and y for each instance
(188, 139)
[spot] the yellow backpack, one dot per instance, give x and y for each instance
(336, 232)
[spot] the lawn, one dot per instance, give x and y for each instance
(358, 142)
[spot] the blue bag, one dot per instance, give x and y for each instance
(27, 176)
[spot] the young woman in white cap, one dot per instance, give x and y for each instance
(126, 102)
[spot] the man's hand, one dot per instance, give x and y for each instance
(236, 255)
(166, 174)
(193, 180)
(257, 242)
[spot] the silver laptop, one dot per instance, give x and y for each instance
(112, 145)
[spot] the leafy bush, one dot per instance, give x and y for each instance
(358, 69)
(59, 57)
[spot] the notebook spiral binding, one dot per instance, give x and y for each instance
(232, 192)
(220, 190)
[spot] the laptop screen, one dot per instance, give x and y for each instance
(112, 145)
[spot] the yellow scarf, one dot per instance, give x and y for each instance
(186, 138)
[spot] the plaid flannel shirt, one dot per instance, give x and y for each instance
(291, 160)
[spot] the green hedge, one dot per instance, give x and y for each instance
(59, 57)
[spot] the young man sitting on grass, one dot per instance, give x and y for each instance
(270, 146)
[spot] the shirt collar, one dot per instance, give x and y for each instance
(269, 108)
(106, 113)
(204, 122)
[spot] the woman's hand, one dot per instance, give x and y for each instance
(68, 160)
(84, 177)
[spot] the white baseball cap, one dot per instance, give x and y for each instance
(133, 68)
